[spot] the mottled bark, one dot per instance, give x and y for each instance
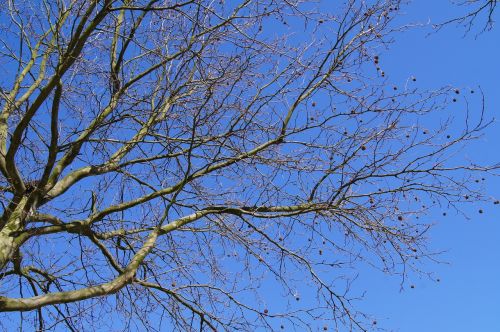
(9, 235)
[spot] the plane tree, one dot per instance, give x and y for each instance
(168, 162)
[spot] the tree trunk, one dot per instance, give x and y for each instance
(9, 239)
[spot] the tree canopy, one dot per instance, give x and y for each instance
(166, 161)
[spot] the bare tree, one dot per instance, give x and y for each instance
(169, 161)
(475, 9)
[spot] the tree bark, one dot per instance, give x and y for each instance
(9, 240)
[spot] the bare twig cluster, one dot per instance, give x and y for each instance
(167, 161)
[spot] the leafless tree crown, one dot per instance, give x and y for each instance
(168, 162)
(475, 10)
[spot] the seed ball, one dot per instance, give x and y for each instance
(457, 91)
(266, 311)
(481, 211)
(471, 91)
(363, 147)
(400, 218)
(496, 202)
(444, 214)
(412, 286)
(282, 326)
(448, 136)
(321, 21)
(454, 100)
(325, 328)
(414, 79)
(466, 197)
(313, 104)
(395, 88)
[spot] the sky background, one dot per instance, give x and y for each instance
(468, 296)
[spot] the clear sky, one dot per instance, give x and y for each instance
(468, 296)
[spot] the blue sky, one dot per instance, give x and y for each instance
(468, 296)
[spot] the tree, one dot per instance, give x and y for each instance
(169, 159)
(475, 9)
